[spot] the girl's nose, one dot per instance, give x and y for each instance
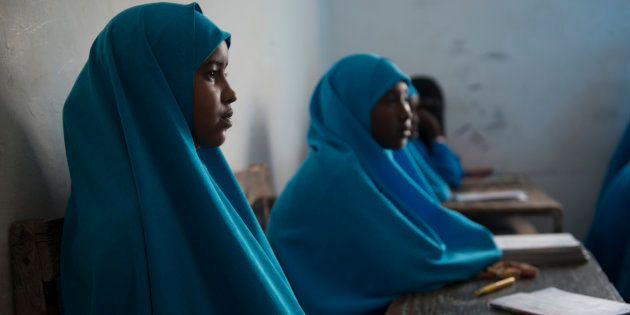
(406, 112)
(228, 95)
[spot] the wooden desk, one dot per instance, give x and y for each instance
(498, 180)
(587, 278)
(539, 203)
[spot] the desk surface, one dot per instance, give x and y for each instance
(505, 180)
(586, 278)
(538, 203)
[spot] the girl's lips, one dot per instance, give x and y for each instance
(226, 122)
(406, 130)
(226, 119)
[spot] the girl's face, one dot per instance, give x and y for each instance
(391, 118)
(414, 103)
(212, 99)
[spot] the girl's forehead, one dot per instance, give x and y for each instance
(398, 88)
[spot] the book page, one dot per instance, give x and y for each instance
(556, 301)
(517, 195)
(536, 241)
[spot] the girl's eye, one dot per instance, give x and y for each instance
(211, 75)
(397, 100)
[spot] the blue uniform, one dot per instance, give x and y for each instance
(442, 160)
(620, 158)
(153, 225)
(609, 236)
(353, 229)
(437, 185)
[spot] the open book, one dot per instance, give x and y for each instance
(555, 301)
(541, 249)
(496, 195)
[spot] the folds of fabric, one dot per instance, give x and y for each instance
(438, 186)
(153, 225)
(443, 161)
(353, 230)
(623, 281)
(429, 179)
(446, 163)
(609, 237)
(620, 158)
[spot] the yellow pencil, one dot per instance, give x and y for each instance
(495, 286)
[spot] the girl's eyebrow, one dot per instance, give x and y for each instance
(214, 63)
(395, 93)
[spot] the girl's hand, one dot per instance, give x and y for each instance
(504, 269)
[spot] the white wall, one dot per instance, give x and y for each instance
(539, 87)
(274, 64)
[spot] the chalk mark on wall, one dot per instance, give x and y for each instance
(35, 27)
(495, 56)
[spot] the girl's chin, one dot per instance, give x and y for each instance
(213, 141)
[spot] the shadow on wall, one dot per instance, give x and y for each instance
(304, 148)
(259, 146)
(23, 186)
(23, 190)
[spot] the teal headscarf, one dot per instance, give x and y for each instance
(609, 236)
(154, 226)
(353, 230)
(620, 158)
(444, 161)
(437, 185)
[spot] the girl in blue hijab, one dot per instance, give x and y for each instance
(430, 141)
(620, 158)
(437, 185)
(353, 230)
(609, 237)
(156, 223)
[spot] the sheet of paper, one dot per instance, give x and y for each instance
(555, 301)
(535, 241)
(517, 195)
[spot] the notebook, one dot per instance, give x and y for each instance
(497, 195)
(555, 301)
(542, 249)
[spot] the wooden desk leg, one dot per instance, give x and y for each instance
(557, 221)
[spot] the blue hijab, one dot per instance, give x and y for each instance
(154, 226)
(445, 162)
(442, 160)
(620, 158)
(352, 229)
(439, 188)
(609, 236)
